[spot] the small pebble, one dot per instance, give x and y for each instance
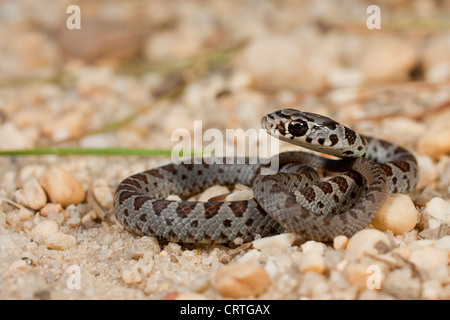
(241, 280)
(439, 209)
(18, 265)
(398, 215)
(189, 295)
(340, 242)
(370, 241)
(365, 275)
(428, 258)
(435, 143)
(212, 192)
(24, 214)
(313, 246)
(62, 187)
(132, 275)
(280, 241)
(104, 196)
(50, 208)
(31, 195)
(45, 229)
(313, 261)
(60, 241)
(238, 195)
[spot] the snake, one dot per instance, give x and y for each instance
(361, 172)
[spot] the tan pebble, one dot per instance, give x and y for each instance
(49, 208)
(428, 172)
(431, 290)
(429, 258)
(213, 191)
(398, 215)
(24, 214)
(32, 195)
(404, 252)
(340, 242)
(366, 275)
(312, 245)
(132, 275)
(190, 296)
(443, 243)
(62, 187)
(45, 229)
(434, 143)
(60, 241)
(104, 196)
(280, 241)
(18, 265)
(313, 261)
(239, 195)
(439, 209)
(241, 280)
(369, 241)
(174, 197)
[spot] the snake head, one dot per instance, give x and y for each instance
(314, 132)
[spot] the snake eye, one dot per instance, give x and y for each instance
(297, 128)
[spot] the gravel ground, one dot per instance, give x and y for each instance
(137, 72)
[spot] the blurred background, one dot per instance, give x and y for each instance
(137, 70)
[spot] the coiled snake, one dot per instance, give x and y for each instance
(292, 199)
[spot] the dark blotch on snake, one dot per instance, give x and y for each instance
(160, 205)
(350, 136)
(309, 194)
(227, 223)
(139, 202)
(185, 208)
(342, 183)
(124, 195)
(326, 187)
(334, 139)
(238, 207)
(143, 177)
(403, 166)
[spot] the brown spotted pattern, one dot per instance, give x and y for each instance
(292, 199)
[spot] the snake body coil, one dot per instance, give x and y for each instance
(293, 199)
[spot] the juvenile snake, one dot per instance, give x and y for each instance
(290, 200)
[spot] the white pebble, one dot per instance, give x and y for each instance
(62, 187)
(241, 280)
(313, 246)
(250, 256)
(213, 191)
(398, 215)
(45, 229)
(443, 243)
(173, 197)
(435, 143)
(340, 242)
(50, 208)
(60, 241)
(104, 196)
(427, 258)
(189, 295)
(313, 261)
(31, 195)
(428, 172)
(280, 241)
(439, 209)
(238, 195)
(369, 241)
(132, 275)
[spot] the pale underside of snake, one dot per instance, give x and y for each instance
(290, 200)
